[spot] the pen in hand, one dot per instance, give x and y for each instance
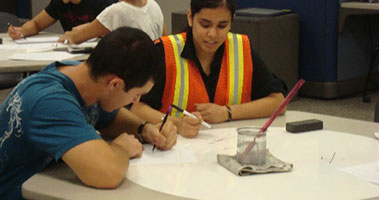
(18, 32)
(164, 121)
(191, 115)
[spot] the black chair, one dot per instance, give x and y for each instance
(8, 80)
(366, 98)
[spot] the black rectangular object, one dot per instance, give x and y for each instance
(261, 12)
(304, 125)
(80, 49)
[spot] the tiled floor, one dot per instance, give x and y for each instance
(349, 107)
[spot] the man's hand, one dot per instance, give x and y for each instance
(129, 144)
(212, 113)
(165, 139)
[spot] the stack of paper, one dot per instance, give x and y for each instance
(45, 39)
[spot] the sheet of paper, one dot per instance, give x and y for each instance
(44, 39)
(182, 154)
(28, 47)
(43, 56)
(368, 171)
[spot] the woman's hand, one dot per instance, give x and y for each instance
(212, 113)
(67, 38)
(188, 126)
(15, 32)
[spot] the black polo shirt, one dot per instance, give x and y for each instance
(71, 15)
(263, 84)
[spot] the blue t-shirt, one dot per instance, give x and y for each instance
(42, 118)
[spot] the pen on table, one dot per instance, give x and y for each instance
(12, 27)
(290, 95)
(190, 115)
(164, 121)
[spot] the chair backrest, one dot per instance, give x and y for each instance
(376, 115)
(6, 18)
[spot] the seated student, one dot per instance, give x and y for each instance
(54, 114)
(70, 13)
(211, 72)
(145, 15)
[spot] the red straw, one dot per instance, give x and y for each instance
(275, 114)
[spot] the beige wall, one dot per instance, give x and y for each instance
(169, 6)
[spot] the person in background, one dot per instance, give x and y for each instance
(145, 15)
(211, 72)
(70, 13)
(56, 113)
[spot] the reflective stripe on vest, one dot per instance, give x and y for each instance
(181, 89)
(234, 82)
(235, 68)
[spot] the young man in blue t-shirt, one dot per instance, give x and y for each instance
(56, 113)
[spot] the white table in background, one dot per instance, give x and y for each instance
(7, 65)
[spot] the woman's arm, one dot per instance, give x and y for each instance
(32, 27)
(84, 33)
(165, 32)
(259, 108)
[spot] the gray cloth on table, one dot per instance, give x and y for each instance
(271, 165)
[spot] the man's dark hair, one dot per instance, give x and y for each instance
(128, 53)
(197, 5)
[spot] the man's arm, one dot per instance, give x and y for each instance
(84, 33)
(32, 27)
(103, 165)
(126, 121)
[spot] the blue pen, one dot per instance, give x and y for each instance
(164, 121)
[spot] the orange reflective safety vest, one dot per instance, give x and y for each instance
(184, 84)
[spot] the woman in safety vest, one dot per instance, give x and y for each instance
(212, 73)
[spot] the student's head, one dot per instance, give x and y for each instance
(210, 21)
(198, 5)
(130, 55)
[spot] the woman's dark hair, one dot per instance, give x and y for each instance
(197, 5)
(128, 53)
